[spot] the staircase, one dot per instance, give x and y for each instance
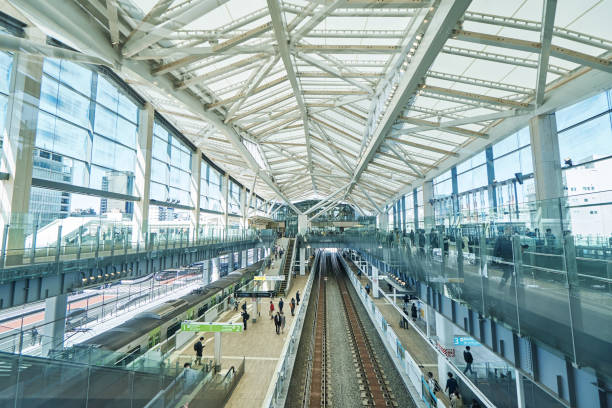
(287, 267)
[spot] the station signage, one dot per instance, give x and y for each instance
(465, 341)
(269, 277)
(260, 294)
(211, 327)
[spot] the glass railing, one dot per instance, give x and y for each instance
(24, 241)
(545, 269)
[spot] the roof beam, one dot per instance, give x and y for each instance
(138, 43)
(479, 82)
(400, 156)
(473, 96)
(316, 18)
(530, 46)
(250, 87)
(239, 39)
(428, 125)
(548, 21)
(333, 72)
(445, 18)
(113, 21)
(283, 49)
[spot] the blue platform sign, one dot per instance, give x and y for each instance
(465, 341)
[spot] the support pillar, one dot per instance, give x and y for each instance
(520, 390)
(375, 282)
(214, 275)
(142, 176)
(547, 173)
(383, 221)
(194, 191)
(217, 351)
(302, 224)
(55, 323)
(17, 155)
(245, 259)
(230, 262)
(244, 209)
(302, 261)
(428, 209)
(444, 331)
(225, 203)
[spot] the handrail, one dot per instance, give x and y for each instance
(284, 367)
(291, 265)
(305, 401)
(231, 370)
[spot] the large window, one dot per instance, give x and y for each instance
(170, 167)
(585, 152)
(210, 189)
(409, 212)
(472, 173)
(512, 155)
(85, 136)
(234, 198)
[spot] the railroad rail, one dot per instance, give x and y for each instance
(374, 387)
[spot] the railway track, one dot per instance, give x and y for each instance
(373, 385)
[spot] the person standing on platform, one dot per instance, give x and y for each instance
(280, 305)
(469, 359)
(414, 311)
(283, 322)
(367, 289)
(199, 347)
(292, 306)
(277, 322)
(297, 297)
(245, 319)
(271, 310)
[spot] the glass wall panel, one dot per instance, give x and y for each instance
(210, 188)
(84, 137)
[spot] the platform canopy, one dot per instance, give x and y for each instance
(360, 100)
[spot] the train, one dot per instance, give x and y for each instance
(120, 345)
(175, 273)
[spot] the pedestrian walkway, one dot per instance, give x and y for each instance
(420, 350)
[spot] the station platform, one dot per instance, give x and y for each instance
(259, 345)
(412, 341)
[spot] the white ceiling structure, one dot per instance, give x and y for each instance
(352, 100)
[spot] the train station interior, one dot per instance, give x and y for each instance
(305, 203)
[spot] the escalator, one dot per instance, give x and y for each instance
(287, 267)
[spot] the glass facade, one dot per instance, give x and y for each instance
(234, 197)
(85, 136)
(170, 167)
(210, 188)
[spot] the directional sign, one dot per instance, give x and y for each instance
(269, 278)
(211, 327)
(262, 294)
(465, 341)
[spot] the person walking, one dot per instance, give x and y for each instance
(277, 322)
(503, 251)
(367, 288)
(283, 322)
(292, 306)
(297, 297)
(271, 310)
(244, 307)
(245, 319)
(451, 385)
(469, 359)
(280, 305)
(199, 347)
(34, 335)
(433, 387)
(414, 312)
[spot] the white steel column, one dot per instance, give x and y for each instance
(428, 209)
(547, 171)
(225, 202)
(444, 331)
(18, 145)
(142, 176)
(302, 223)
(520, 389)
(244, 208)
(374, 282)
(55, 323)
(196, 181)
(302, 261)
